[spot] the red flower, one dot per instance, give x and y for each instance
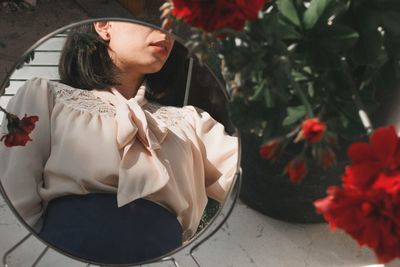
(369, 160)
(271, 149)
(19, 130)
(312, 130)
(327, 156)
(211, 15)
(389, 183)
(372, 217)
(368, 205)
(296, 169)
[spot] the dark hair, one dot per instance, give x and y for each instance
(86, 64)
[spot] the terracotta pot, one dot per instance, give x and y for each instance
(267, 190)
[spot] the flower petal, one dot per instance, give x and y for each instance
(389, 183)
(361, 175)
(360, 151)
(28, 123)
(384, 142)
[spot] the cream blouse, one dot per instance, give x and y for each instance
(99, 141)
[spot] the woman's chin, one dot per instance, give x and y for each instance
(155, 68)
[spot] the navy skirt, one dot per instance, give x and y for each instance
(92, 227)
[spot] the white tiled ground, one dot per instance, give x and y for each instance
(248, 238)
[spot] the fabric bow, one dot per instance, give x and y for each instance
(140, 174)
(142, 170)
(133, 121)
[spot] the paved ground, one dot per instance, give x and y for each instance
(247, 239)
(19, 31)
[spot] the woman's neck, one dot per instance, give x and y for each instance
(130, 84)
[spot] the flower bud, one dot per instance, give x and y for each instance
(271, 149)
(296, 169)
(312, 130)
(327, 157)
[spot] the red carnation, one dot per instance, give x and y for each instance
(312, 130)
(372, 217)
(382, 154)
(367, 207)
(271, 149)
(296, 169)
(19, 130)
(211, 15)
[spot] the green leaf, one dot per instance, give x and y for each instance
(314, 12)
(294, 114)
(288, 9)
(269, 98)
(287, 31)
(247, 115)
(298, 76)
(310, 89)
(338, 38)
(258, 89)
(30, 57)
(391, 21)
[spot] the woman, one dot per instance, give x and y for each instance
(110, 176)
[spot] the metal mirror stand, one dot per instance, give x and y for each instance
(184, 257)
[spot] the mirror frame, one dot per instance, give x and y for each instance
(184, 255)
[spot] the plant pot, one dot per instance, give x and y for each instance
(266, 189)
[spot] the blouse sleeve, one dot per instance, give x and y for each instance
(21, 167)
(219, 152)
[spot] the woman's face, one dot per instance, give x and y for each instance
(136, 47)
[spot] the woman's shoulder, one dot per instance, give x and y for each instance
(170, 115)
(157, 107)
(174, 116)
(57, 87)
(36, 84)
(66, 96)
(80, 99)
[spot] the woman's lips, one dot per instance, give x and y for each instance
(160, 47)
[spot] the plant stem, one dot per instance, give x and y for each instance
(2, 109)
(300, 93)
(357, 99)
(295, 85)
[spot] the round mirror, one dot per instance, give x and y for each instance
(116, 146)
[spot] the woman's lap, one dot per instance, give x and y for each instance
(92, 227)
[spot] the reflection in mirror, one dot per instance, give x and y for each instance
(108, 166)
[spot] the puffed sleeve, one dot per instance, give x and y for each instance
(21, 167)
(219, 152)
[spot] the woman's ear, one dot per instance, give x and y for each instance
(102, 28)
